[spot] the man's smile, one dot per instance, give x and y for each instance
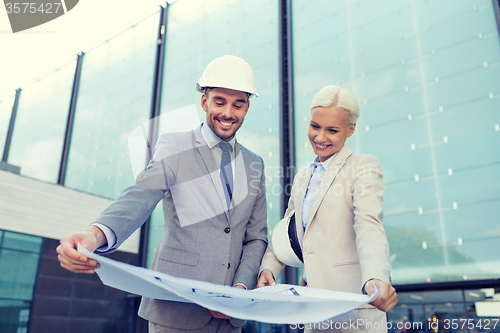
(225, 123)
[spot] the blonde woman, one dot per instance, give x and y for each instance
(337, 203)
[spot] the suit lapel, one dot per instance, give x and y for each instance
(303, 181)
(330, 175)
(211, 167)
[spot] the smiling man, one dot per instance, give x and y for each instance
(226, 109)
(214, 206)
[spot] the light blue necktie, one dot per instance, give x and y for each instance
(312, 188)
(226, 172)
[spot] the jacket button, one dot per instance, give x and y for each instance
(228, 265)
(227, 230)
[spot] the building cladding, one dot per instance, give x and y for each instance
(425, 72)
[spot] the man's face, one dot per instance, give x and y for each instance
(226, 109)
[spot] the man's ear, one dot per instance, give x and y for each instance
(248, 107)
(204, 102)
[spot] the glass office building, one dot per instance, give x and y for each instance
(427, 77)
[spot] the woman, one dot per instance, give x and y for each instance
(337, 204)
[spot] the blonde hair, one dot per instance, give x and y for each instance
(337, 96)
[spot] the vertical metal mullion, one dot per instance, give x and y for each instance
(286, 99)
(289, 274)
(426, 327)
(158, 76)
(466, 313)
(10, 131)
(287, 136)
(153, 133)
(291, 119)
(496, 7)
(70, 120)
(155, 112)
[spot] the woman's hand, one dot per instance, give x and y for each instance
(266, 279)
(387, 298)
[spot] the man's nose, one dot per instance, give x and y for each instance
(227, 111)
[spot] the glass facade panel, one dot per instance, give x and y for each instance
(19, 256)
(199, 31)
(14, 316)
(15, 241)
(18, 274)
(6, 105)
(482, 310)
(114, 98)
(419, 70)
(450, 311)
(43, 105)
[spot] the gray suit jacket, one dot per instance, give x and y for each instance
(202, 239)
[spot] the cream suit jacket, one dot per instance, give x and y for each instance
(344, 244)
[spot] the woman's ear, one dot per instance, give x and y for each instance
(351, 130)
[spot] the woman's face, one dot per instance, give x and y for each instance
(328, 130)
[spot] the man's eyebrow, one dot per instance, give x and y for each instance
(239, 100)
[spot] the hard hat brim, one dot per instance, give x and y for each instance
(248, 91)
(281, 242)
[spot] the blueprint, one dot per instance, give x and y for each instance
(279, 304)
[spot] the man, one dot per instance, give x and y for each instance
(214, 206)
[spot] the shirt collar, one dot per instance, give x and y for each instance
(212, 139)
(324, 164)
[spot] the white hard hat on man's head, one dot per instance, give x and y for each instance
(229, 72)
